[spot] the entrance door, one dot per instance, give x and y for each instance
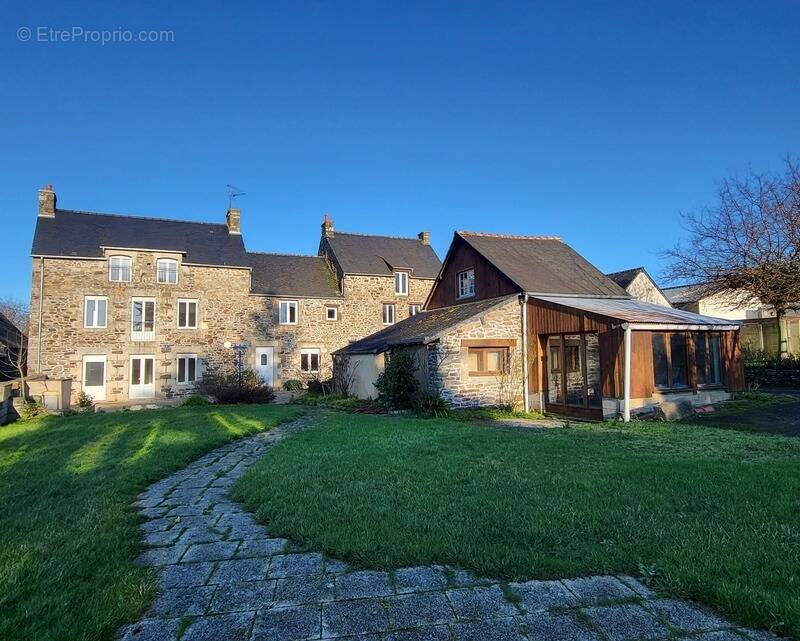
(94, 377)
(574, 384)
(142, 380)
(264, 364)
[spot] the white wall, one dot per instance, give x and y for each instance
(364, 369)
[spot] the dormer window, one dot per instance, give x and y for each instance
(401, 283)
(465, 283)
(167, 271)
(119, 269)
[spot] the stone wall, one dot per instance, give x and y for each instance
(642, 288)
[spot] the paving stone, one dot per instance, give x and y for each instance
(637, 586)
(480, 603)
(162, 555)
(211, 551)
(599, 589)
(152, 630)
(434, 633)
(284, 565)
(230, 627)
(343, 618)
(158, 525)
(464, 578)
(184, 575)
(420, 579)
(552, 626)
(288, 624)
(760, 635)
(334, 566)
(200, 535)
(360, 584)
(312, 588)
(246, 532)
(156, 539)
(153, 512)
(621, 622)
(260, 547)
(685, 616)
(238, 519)
(193, 521)
(414, 610)
(178, 602)
(185, 510)
(495, 630)
(237, 597)
(720, 635)
(240, 570)
(542, 595)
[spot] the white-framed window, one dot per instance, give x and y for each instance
(143, 319)
(309, 360)
(331, 313)
(401, 283)
(95, 310)
(287, 312)
(167, 271)
(187, 313)
(119, 269)
(188, 369)
(388, 313)
(413, 310)
(465, 283)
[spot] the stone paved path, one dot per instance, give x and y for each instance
(223, 578)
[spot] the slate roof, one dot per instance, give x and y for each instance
(292, 275)
(626, 276)
(542, 264)
(422, 328)
(687, 293)
(381, 255)
(80, 233)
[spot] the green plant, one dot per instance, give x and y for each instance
(293, 385)
(397, 385)
(430, 404)
(30, 410)
(195, 400)
(85, 401)
(238, 387)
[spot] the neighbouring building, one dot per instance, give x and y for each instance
(131, 307)
(12, 340)
(759, 325)
(527, 320)
(640, 285)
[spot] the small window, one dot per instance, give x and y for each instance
(264, 360)
(143, 319)
(167, 271)
(388, 313)
(332, 313)
(187, 313)
(309, 360)
(707, 357)
(119, 269)
(413, 310)
(465, 283)
(670, 361)
(488, 361)
(94, 311)
(401, 283)
(188, 371)
(288, 312)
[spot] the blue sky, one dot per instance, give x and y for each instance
(597, 122)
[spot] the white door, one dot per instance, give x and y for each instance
(264, 364)
(94, 377)
(142, 380)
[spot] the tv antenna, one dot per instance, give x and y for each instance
(233, 193)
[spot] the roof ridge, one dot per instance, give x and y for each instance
(462, 232)
(285, 254)
(352, 233)
(139, 217)
(622, 271)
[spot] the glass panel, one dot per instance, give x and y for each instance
(706, 349)
(314, 362)
(181, 370)
(192, 365)
(474, 358)
(660, 370)
(94, 374)
(90, 305)
(283, 314)
(149, 316)
(594, 381)
(167, 271)
(716, 367)
(554, 391)
(101, 312)
(677, 345)
(136, 371)
(264, 359)
(493, 360)
(148, 371)
(292, 312)
(138, 322)
(181, 314)
(574, 367)
(192, 314)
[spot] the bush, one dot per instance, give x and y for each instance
(85, 401)
(397, 385)
(431, 404)
(30, 410)
(195, 400)
(244, 387)
(317, 386)
(293, 385)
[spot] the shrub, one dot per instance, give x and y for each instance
(397, 385)
(30, 409)
(293, 385)
(316, 386)
(85, 401)
(243, 387)
(195, 400)
(431, 404)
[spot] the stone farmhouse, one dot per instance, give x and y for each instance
(640, 285)
(137, 308)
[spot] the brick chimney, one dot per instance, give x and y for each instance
(47, 202)
(234, 220)
(424, 237)
(327, 226)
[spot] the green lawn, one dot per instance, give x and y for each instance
(67, 530)
(708, 514)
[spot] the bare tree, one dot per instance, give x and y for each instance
(13, 339)
(17, 312)
(747, 243)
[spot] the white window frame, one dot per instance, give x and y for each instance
(401, 283)
(187, 302)
(308, 351)
(186, 358)
(289, 305)
(111, 268)
(391, 317)
(414, 309)
(96, 300)
(470, 278)
(143, 335)
(170, 261)
(335, 310)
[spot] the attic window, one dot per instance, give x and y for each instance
(119, 269)
(167, 271)
(401, 283)
(465, 283)
(332, 313)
